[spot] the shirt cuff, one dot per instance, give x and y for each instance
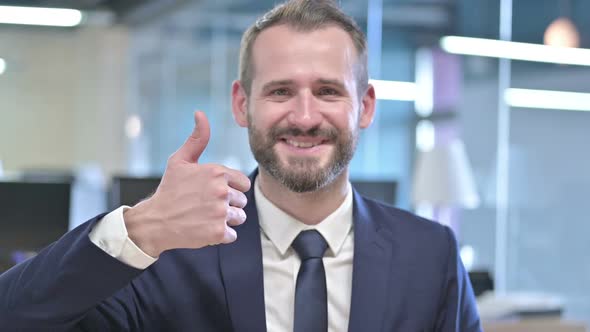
(110, 235)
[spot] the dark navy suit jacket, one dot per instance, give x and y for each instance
(407, 276)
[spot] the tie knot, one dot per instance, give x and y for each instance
(310, 244)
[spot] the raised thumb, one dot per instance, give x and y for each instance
(196, 143)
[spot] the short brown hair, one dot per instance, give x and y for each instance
(305, 16)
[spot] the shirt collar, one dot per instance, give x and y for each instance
(281, 228)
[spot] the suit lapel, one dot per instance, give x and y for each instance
(373, 248)
(241, 270)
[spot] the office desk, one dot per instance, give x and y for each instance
(536, 325)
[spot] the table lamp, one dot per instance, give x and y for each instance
(444, 180)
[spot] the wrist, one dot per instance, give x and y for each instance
(141, 228)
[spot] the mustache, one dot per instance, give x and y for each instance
(328, 133)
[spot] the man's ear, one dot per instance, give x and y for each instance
(239, 104)
(367, 107)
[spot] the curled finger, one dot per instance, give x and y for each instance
(235, 216)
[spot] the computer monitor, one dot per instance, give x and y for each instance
(127, 190)
(380, 190)
(481, 281)
(32, 215)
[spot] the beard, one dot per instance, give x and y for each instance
(302, 174)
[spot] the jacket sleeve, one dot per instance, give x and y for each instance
(458, 310)
(66, 286)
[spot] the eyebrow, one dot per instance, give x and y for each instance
(335, 83)
(275, 83)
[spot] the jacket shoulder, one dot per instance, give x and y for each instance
(404, 223)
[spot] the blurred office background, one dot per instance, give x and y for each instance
(113, 97)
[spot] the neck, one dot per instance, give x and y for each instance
(309, 207)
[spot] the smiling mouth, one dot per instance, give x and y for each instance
(302, 145)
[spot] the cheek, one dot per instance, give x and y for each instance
(264, 114)
(345, 119)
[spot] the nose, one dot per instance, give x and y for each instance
(305, 113)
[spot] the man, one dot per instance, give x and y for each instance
(313, 254)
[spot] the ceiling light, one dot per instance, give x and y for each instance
(547, 99)
(424, 104)
(133, 126)
(562, 33)
(40, 16)
(394, 90)
(2, 66)
(515, 51)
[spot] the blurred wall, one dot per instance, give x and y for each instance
(549, 184)
(63, 97)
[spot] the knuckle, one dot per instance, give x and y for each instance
(220, 212)
(205, 167)
(208, 168)
(221, 191)
(218, 171)
(219, 233)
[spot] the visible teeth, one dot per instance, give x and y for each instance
(301, 144)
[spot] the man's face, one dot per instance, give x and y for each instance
(303, 113)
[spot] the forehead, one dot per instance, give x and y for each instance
(282, 52)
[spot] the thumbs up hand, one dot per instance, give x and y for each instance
(194, 205)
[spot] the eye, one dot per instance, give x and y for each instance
(327, 91)
(279, 92)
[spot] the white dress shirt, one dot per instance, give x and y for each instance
(280, 262)
(110, 234)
